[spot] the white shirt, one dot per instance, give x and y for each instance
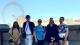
(62, 33)
(27, 29)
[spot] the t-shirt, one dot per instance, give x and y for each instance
(27, 29)
(62, 30)
(39, 30)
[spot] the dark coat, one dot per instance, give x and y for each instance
(31, 25)
(51, 32)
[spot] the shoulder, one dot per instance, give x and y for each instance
(48, 25)
(31, 22)
(36, 26)
(55, 25)
(10, 30)
(65, 25)
(43, 26)
(24, 23)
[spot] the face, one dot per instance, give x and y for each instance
(61, 20)
(39, 22)
(15, 24)
(28, 19)
(51, 21)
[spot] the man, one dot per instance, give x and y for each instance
(28, 27)
(39, 31)
(63, 31)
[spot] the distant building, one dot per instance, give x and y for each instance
(20, 20)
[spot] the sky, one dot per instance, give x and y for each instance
(43, 9)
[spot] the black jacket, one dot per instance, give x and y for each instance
(31, 25)
(51, 32)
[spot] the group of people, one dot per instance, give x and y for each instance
(52, 33)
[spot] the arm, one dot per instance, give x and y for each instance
(33, 25)
(34, 34)
(10, 33)
(19, 35)
(20, 32)
(23, 29)
(44, 31)
(67, 32)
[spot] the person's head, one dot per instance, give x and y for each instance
(61, 20)
(15, 25)
(28, 17)
(51, 21)
(39, 22)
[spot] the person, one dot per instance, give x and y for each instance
(63, 31)
(52, 33)
(15, 33)
(28, 27)
(39, 31)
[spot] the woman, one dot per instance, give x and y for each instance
(52, 33)
(15, 33)
(39, 33)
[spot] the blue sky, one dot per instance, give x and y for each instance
(45, 9)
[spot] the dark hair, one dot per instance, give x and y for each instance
(27, 16)
(15, 25)
(39, 20)
(62, 18)
(51, 19)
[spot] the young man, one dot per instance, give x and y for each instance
(28, 27)
(39, 31)
(63, 31)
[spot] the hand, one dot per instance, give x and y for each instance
(52, 38)
(65, 39)
(36, 40)
(32, 36)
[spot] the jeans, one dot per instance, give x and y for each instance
(28, 40)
